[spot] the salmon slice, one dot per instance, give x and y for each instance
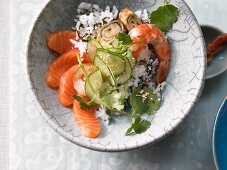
(60, 65)
(86, 120)
(60, 41)
(69, 86)
(66, 89)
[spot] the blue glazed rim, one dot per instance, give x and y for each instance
(219, 161)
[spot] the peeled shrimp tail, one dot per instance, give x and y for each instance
(106, 34)
(149, 34)
(164, 57)
(162, 71)
(129, 19)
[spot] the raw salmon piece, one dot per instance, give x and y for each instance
(67, 83)
(86, 120)
(60, 65)
(66, 89)
(60, 41)
(85, 58)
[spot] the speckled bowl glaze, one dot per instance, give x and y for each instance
(184, 82)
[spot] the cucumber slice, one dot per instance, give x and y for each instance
(130, 57)
(91, 50)
(114, 51)
(115, 62)
(78, 82)
(79, 72)
(118, 52)
(105, 70)
(96, 81)
(96, 43)
(92, 46)
(125, 76)
(107, 87)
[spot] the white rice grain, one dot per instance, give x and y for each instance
(81, 45)
(90, 17)
(143, 15)
(101, 113)
(144, 54)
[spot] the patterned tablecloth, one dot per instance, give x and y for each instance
(35, 146)
(4, 85)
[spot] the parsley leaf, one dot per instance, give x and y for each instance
(144, 100)
(124, 38)
(164, 17)
(138, 126)
(83, 104)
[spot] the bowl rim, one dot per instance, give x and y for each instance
(98, 148)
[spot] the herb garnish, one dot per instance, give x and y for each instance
(84, 105)
(114, 99)
(164, 16)
(124, 38)
(138, 126)
(143, 100)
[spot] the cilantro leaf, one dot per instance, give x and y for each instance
(129, 130)
(138, 126)
(144, 100)
(83, 104)
(164, 17)
(114, 100)
(137, 103)
(124, 38)
(142, 127)
(155, 104)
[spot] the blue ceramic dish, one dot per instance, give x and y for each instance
(220, 137)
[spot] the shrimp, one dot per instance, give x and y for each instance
(149, 34)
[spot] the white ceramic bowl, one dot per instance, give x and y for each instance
(184, 82)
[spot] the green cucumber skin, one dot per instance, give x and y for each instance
(96, 79)
(125, 76)
(115, 74)
(105, 70)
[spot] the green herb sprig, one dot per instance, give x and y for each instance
(124, 38)
(138, 125)
(84, 105)
(165, 16)
(143, 100)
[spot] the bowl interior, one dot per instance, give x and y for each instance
(184, 82)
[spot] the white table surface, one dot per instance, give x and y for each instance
(35, 146)
(4, 83)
